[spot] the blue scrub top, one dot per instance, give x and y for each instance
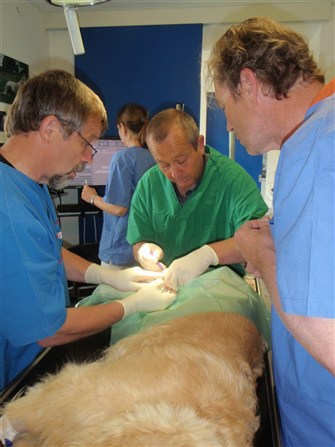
(126, 168)
(33, 283)
(303, 232)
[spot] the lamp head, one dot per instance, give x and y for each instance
(76, 3)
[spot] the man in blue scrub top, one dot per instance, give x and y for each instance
(274, 97)
(52, 124)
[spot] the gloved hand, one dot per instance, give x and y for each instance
(7, 432)
(154, 296)
(188, 267)
(129, 279)
(149, 256)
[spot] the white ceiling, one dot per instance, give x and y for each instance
(127, 5)
(162, 12)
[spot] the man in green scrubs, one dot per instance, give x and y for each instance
(190, 204)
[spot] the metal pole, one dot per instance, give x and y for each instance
(232, 145)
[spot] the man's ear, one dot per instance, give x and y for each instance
(250, 84)
(48, 128)
(248, 81)
(201, 144)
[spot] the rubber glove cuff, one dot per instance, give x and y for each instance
(213, 257)
(155, 296)
(184, 269)
(149, 256)
(7, 432)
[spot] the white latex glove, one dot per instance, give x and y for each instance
(154, 296)
(188, 267)
(7, 431)
(149, 256)
(129, 279)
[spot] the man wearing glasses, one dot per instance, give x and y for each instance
(51, 126)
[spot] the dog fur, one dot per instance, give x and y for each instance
(188, 382)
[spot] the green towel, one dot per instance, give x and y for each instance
(218, 290)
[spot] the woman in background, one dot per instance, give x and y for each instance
(126, 168)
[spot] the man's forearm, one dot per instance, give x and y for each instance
(316, 335)
(75, 266)
(226, 252)
(85, 321)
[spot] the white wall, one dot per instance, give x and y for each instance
(23, 37)
(60, 50)
(23, 34)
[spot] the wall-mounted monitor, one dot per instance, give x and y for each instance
(96, 173)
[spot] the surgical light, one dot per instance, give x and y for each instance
(70, 8)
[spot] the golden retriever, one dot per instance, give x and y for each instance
(188, 382)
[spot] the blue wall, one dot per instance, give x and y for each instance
(217, 136)
(157, 66)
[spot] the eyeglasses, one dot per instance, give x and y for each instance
(94, 151)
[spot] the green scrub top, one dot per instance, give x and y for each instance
(225, 198)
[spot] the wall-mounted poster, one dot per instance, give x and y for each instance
(12, 74)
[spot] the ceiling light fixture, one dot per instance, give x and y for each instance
(70, 8)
